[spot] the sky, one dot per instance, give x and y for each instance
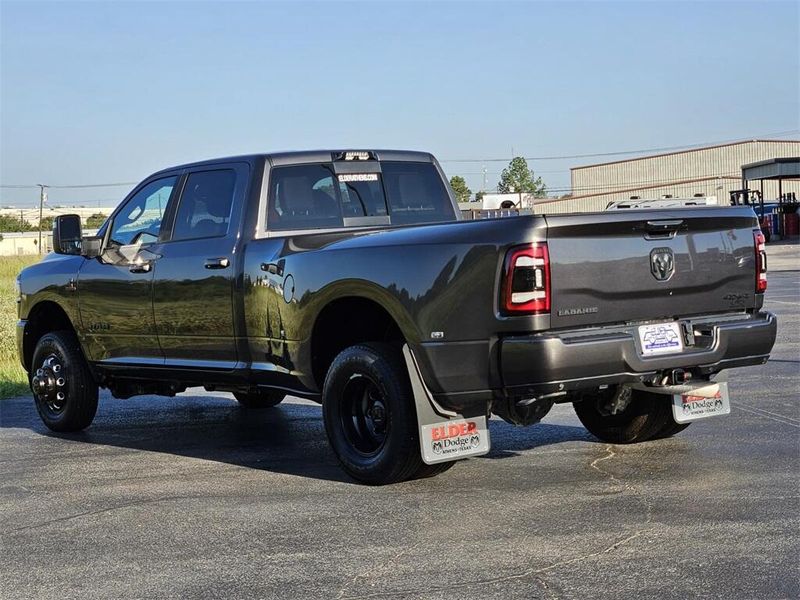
(95, 93)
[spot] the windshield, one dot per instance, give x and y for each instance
(314, 197)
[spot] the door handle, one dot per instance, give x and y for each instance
(141, 267)
(217, 263)
(663, 226)
(666, 229)
(273, 268)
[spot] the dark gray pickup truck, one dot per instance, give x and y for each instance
(346, 277)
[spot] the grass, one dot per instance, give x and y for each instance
(13, 380)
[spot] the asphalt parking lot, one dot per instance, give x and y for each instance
(194, 498)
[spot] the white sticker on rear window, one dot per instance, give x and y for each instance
(349, 177)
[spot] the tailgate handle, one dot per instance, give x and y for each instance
(661, 229)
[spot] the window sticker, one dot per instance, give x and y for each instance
(350, 177)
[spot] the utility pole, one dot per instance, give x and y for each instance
(42, 200)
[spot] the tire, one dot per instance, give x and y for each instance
(257, 399)
(426, 471)
(648, 416)
(369, 415)
(671, 429)
(63, 388)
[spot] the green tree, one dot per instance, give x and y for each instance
(517, 177)
(11, 224)
(460, 188)
(95, 221)
(47, 223)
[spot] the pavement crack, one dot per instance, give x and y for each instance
(372, 572)
(90, 513)
(543, 582)
(616, 481)
(765, 414)
(535, 573)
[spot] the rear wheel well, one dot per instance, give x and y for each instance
(43, 318)
(344, 323)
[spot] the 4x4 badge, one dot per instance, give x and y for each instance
(662, 263)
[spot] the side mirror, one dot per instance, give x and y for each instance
(67, 234)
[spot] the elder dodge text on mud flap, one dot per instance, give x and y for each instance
(346, 277)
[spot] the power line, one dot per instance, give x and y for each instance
(73, 186)
(623, 152)
(648, 182)
(612, 188)
(662, 182)
(472, 160)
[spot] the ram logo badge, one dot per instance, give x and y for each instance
(662, 263)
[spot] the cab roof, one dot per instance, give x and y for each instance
(306, 156)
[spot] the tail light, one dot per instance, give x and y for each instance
(761, 261)
(526, 287)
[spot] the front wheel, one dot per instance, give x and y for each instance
(647, 416)
(63, 388)
(370, 418)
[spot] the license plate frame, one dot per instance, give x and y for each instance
(708, 401)
(657, 339)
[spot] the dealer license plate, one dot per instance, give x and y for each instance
(708, 401)
(454, 439)
(660, 338)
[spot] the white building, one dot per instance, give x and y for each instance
(16, 244)
(709, 171)
(31, 213)
(512, 200)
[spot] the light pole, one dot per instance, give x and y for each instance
(42, 200)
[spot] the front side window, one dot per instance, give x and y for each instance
(205, 206)
(139, 221)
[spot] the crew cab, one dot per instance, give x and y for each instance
(348, 278)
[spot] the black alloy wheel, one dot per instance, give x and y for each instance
(63, 387)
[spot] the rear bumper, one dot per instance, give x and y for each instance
(536, 365)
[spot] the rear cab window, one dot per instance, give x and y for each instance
(315, 196)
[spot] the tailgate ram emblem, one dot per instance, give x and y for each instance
(662, 263)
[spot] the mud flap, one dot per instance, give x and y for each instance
(695, 401)
(444, 435)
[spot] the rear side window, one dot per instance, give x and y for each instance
(205, 206)
(416, 193)
(303, 197)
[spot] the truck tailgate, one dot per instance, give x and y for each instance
(617, 267)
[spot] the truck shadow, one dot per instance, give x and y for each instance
(288, 439)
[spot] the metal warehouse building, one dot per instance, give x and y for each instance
(709, 171)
